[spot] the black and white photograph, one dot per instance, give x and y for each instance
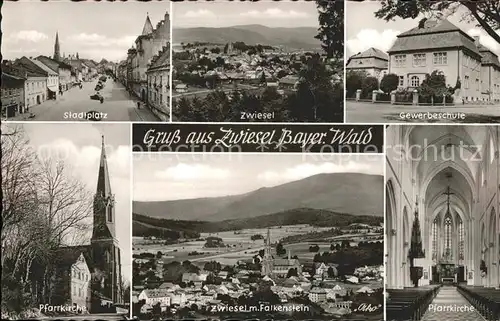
(266, 61)
(85, 61)
(419, 62)
(257, 236)
(442, 222)
(66, 221)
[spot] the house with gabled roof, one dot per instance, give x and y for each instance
(373, 61)
(438, 45)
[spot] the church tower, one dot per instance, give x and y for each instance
(267, 261)
(105, 251)
(148, 27)
(57, 49)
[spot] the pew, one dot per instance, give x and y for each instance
(409, 303)
(485, 300)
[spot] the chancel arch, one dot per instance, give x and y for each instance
(451, 173)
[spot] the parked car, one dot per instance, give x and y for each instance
(97, 96)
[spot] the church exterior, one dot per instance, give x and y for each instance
(103, 257)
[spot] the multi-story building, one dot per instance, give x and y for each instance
(490, 74)
(52, 79)
(35, 86)
(12, 95)
(63, 70)
(373, 61)
(74, 277)
(438, 45)
(153, 297)
(158, 75)
(148, 44)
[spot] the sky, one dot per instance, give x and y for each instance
(186, 176)
(363, 30)
(225, 14)
(79, 145)
(95, 30)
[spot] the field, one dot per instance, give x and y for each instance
(239, 246)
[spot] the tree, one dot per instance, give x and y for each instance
(292, 272)
(257, 237)
(314, 248)
(389, 83)
(353, 82)
(369, 85)
(263, 78)
(331, 272)
(331, 30)
(434, 85)
(486, 14)
(159, 255)
(281, 74)
(280, 250)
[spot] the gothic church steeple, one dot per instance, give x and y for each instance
(148, 27)
(57, 48)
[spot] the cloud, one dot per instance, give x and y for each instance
(27, 35)
(368, 38)
(201, 13)
(184, 172)
(275, 13)
(102, 40)
(308, 169)
(485, 39)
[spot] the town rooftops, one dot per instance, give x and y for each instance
(433, 34)
(46, 68)
(157, 293)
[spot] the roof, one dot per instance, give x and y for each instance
(68, 255)
(29, 67)
(286, 262)
(318, 291)
(488, 57)
(162, 60)
(148, 27)
(53, 64)
(433, 34)
(46, 68)
(372, 53)
(157, 293)
(292, 80)
(12, 81)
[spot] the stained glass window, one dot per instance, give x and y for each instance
(434, 237)
(461, 239)
(447, 233)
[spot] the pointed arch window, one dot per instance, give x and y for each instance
(447, 234)
(461, 239)
(492, 151)
(434, 237)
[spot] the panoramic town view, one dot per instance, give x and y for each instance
(258, 61)
(65, 230)
(261, 236)
(58, 66)
(441, 66)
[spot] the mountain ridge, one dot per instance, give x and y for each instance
(338, 192)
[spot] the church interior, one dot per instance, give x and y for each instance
(442, 220)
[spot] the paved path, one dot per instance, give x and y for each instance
(366, 112)
(448, 298)
(118, 105)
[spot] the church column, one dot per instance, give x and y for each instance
(426, 241)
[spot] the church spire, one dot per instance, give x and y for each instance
(57, 48)
(103, 183)
(148, 26)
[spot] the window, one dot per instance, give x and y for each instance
(79, 276)
(477, 84)
(466, 82)
(415, 81)
(461, 240)
(109, 209)
(447, 234)
(400, 60)
(434, 238)
(401, 81)
(419, 60)
(440, 58)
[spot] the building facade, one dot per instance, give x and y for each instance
(52, 79)
(490, 74)
(158, 75)
(373, 62)
(63, 70)
(73, 279)
(438, 45)
(147, 45)
(12, 95)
